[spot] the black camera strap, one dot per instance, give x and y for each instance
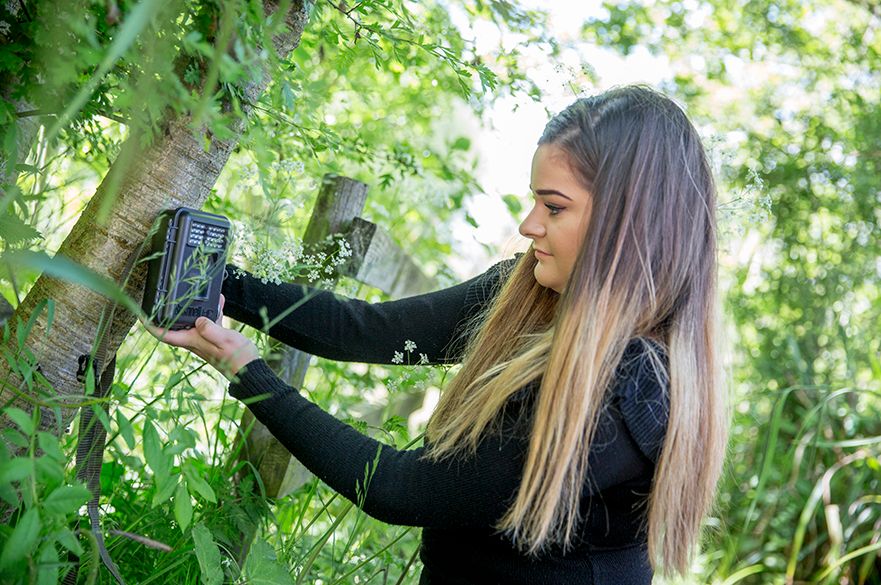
(92, 435)
(89, 459)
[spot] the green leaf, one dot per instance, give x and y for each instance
(21, 542)
(156, 459)
(513, 203)
(208, 555)
(198, 484)
(99, 413)
(68, 540)
(15, 438)
(23, 332)
(395, 424)
(15, 231)
(165, 486)
(262, 567)
(66, 499)
(16, 470)
(48, 472)
(66, 269)
(47, 569)
(173, 381)
(461, 143)
(125, 429)
(183, 507)
(49, 444)
(22, 419)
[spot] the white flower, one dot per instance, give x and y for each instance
(423, 358)
(290, 167)
(4, 27)
(409, 345)
(313, 275)
(399, 358)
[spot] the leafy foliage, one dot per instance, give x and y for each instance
(787, 94)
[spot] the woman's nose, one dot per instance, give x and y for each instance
(531, 226)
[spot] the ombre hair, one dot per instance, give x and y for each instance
(646, 270)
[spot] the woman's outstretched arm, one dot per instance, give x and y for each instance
(402, 487)
(339, 328)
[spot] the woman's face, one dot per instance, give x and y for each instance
(557, 221)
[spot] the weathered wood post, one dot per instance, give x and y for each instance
(339, 201)
(376, 261)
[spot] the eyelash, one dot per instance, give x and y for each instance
(554, 210)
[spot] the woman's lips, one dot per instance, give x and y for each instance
(540, 252)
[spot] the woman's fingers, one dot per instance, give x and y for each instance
(191, 339)
(212, 332)
(180, 338)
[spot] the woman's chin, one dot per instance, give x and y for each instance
(542, 279)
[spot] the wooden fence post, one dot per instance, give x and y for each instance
(339, 201)
(376, 261)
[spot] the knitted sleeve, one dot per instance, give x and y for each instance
(344, 329)
(404, 487)
(642, 396)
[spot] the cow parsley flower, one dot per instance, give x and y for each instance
(423, 358)
(409, 345)
(399, 358)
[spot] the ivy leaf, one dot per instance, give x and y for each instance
(358, 424)
(49, 472)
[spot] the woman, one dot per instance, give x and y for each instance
(583, 437)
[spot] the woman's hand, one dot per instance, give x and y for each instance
(226, 350)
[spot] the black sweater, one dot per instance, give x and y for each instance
(456, 502)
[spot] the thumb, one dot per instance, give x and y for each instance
(210, 330)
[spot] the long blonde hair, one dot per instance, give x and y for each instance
(647, 268)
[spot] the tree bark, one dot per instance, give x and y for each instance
(175, 170)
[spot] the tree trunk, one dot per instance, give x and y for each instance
(177, 169)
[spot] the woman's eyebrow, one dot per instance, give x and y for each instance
(549, 192)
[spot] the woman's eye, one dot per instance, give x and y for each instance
(554, 209)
